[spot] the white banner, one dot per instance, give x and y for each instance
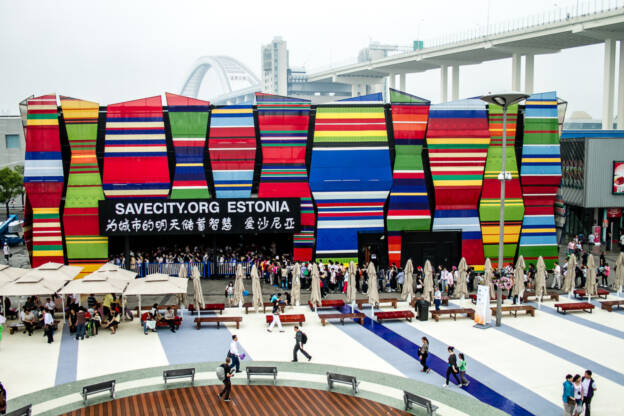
(483, 314)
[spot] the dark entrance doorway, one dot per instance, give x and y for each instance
(373, 246)
(441, 248)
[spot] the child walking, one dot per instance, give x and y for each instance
(462, 370)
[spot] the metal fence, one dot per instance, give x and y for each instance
(206, 269)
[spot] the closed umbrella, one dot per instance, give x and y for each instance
(462, 287)
(518, 284)
(296, 285)
(408, 284)
(351, 286)
(488, 275)
(428, 283)
(540, 280)
(315, 290)
(619, 273)
(182, 272)
(568, 281)
(373, 291)
(590, 283)
(238, 286)
(256, 289)
(198, 293)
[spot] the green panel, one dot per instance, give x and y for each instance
(190, 193)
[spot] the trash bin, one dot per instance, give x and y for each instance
(422, 310)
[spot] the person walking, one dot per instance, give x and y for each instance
(568, 396)
(578, 395)
(452, 367)
(589, 387)
(6, 252)
(437, 297)
(81, 322)
(423, 353)
(234, 353)
(227, 383)
(48, 326)
(461, 366)
(300, 340)
(556, 283)
(276, 314)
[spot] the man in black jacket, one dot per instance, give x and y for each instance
(299, 341)
(589, 387)
(227, 383)
(452, 367)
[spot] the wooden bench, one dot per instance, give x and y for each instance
(218, 319)
(22, 411)
(601, 293)
(410, 398)
(330, 303)
(209, 307)
(445, 301)
(342, 316)
(551, 294)
(513, 309)
(291, 318)
(473, 297)
(384, 316)
(574, 306)
(392, 301)
(609, 304)
(98, 388)
(344, 379)
(261, 371)
(452, 313)
(179, 373)
(265, 305)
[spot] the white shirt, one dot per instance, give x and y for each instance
(47, 319)
(234, 348)
(557, 270)
(5, 249)
(50, 306)
(585, 385)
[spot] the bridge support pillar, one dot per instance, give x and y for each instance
(529, 71)
(516, 61)
(392, 80)
(443, 83)
(620, 99)
(402, 80)
(455, 83)
(608, 85)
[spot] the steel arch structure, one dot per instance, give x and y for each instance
(227, 70)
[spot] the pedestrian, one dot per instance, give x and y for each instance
(234, 353)
(276, 313)
(589, 387)
(578, 395)
(461, 366)
(81, 322)
(229, 293)
(48, 326)
(300, 340)
(6, 251)
(452, 367)
(556, 283)
(437, 297)
(225, 375)
(568, 396)
(423, 353)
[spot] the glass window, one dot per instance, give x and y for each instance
(12, 141)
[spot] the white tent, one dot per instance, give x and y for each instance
(117, 272)
(116, 275)
(94, 284)
(31, 286)
(9, 274)
(157, 284)
(53, 272)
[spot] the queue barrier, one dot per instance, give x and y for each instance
(206, 269)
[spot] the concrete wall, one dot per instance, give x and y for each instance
(601, 152)
(11, 157)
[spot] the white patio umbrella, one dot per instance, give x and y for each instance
(462, 286)
(10, 274)
(373, 286)
(117, 272)
(32, 286)
(238, 286)
(518, 283)
(156, 284)
(428, 283)
(618, 282)
(408, 284)
(53, 271)
(198, 293)
(568, 281)
(256, 288)
(488, 274)
(590, 282)
(315, 289)
(97, 285)
(296, 284)
(351, 285)
(540, 281)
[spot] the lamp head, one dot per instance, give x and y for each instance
(505, 99)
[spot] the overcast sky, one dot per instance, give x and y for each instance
(112, 51)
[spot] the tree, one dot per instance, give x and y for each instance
(11, 185)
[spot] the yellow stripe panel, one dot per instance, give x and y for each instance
(454, 140)
(539, 230)
(356, 133)
(48, 239)
(541, 159)
(478, 267)
(369, 114)
(241, 185)
(45, 210)
(162, 192)
(42, 122)
(543, 102)
(46, 253)
(456, 183)
(409, 193)
(189, 164)
(232, 111)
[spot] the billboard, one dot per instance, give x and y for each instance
(618, 177)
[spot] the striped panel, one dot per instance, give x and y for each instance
(540, 175)
(43, 179)
(408, 206)
(232, 148)
(283, 123)
(350, 176)
(188, 119)
(135, 150)
(27, 227)
(489, 207)
(84, 186)
(457, 141)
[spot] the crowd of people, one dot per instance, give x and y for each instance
(578, 392)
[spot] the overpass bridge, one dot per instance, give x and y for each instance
(590, 23)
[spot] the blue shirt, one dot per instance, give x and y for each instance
(568, 391)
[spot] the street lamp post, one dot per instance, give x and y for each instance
(504, 100)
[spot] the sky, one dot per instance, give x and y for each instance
(113, 51)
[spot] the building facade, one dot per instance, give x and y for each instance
(12, 142)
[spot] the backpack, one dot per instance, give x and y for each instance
(304, 337)
(221, 373)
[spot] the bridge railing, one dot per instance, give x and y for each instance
(206, 269)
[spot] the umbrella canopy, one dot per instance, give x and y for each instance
(408, 284)
(296, 284)
(256, 289)
(32, 286)
(518, 283)
(198, 293)
(462, 287)
(488, 275)
(373, 290)
(618, 282)
(110, 275)
(590, 282)
(114, 270)
(428, 283)
(540, 278)
(157, 284)
(53, 271)
(351, 285)
(182, 272)
(568, 281)
(94, 284)
(315, 289)
(9, 274)
(238, 285)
